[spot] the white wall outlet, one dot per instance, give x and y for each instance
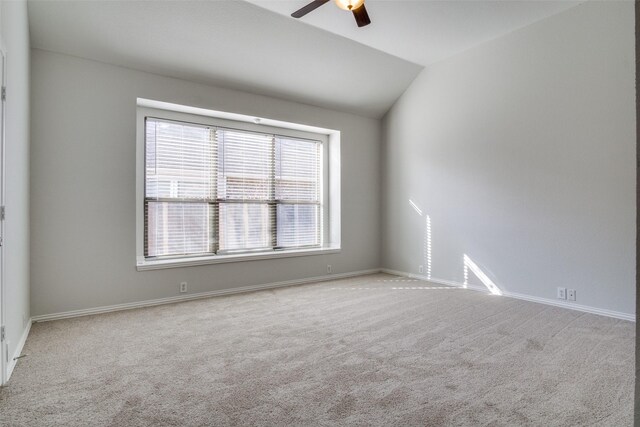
(571, 294)
(183, 287)
(420, 269)
(562, 293)
(328, 268)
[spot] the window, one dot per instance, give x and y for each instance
(220, 190)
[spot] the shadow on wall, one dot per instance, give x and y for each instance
(468, 263)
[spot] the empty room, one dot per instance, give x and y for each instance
(318, 212)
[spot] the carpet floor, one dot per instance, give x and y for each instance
(370, 350)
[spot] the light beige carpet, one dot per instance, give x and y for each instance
(348, 352)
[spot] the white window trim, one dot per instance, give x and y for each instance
(330, 180)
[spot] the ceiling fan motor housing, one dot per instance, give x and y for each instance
(349, 4)
(354, 6)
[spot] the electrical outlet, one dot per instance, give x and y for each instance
(562, 293)
(420, 269)
(571, 294)
(328, 268)
(183, 287)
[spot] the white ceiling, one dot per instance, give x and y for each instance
(425, 31)
(226, 43)
(322, 59)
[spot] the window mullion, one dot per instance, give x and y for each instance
(273, 208)
(214, 207)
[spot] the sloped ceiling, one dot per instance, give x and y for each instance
(426, 31)
(323, 59)
(226, 43)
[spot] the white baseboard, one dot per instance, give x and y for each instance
(200, 295)
(548, 301)
(23, 339)
(179, 298)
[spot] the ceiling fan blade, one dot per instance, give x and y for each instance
(362, 17)
(308, 8)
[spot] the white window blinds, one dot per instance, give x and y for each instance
(214, 190)
(297, 190)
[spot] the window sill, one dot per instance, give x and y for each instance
(144, 264)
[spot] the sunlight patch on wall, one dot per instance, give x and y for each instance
(415, 207)
(470, 265)
(427, 246)
(466, 275)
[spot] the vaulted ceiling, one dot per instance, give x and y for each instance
(322, 59)
(425, 31)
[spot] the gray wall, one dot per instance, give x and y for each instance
(522, 152)
(83, 187)
(15, 34)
